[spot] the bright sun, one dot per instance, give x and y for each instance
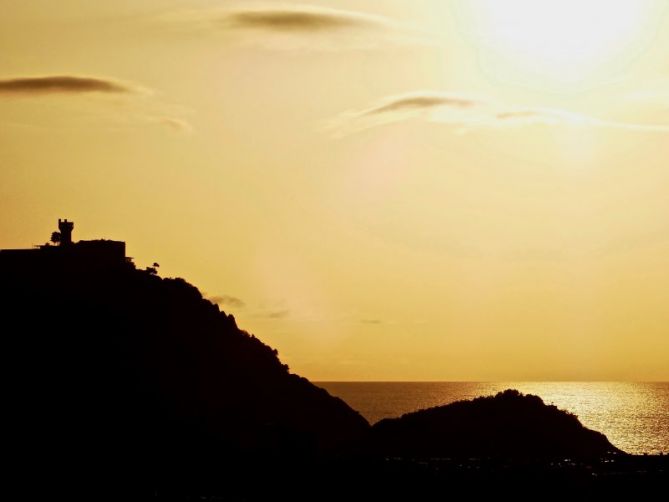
(559, 41)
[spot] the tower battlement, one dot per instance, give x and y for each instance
(65, 229)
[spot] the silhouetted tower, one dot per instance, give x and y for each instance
(65, 227)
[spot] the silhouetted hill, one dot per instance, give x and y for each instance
(116, 374)
(508, 425)
(119, 382)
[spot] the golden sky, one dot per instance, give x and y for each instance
(396, 190)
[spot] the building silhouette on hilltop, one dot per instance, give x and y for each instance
(64, 235)
(64, 252)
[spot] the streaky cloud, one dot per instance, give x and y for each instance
(288, 26)
(62, 84)
(176, 124)
(278, 314)
(228, 301)
(294, 20)
(126, 111)
(420, 101)
(523, 114)
(653, 94)
(468, 113)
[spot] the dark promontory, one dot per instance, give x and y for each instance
(508, 425)
(118, 376)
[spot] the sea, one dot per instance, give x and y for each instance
(634, 416)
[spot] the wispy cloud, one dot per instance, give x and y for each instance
(269, 313)
(228, 301)
(466, 113)
(137, 106)
(175, 124)
(298, 19)
(297, 26)
(62, 84)
(277, 314)
(654, 94)
(420, 101)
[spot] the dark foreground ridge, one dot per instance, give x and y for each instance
(119, 376)
(124, 384)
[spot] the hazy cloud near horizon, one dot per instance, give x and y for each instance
(62, 84)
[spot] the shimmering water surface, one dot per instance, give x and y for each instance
(634, 416)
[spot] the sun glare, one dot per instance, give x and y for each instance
(559, 41)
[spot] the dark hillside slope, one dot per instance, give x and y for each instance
(115, 373)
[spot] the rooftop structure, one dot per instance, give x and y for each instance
(63, 252)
